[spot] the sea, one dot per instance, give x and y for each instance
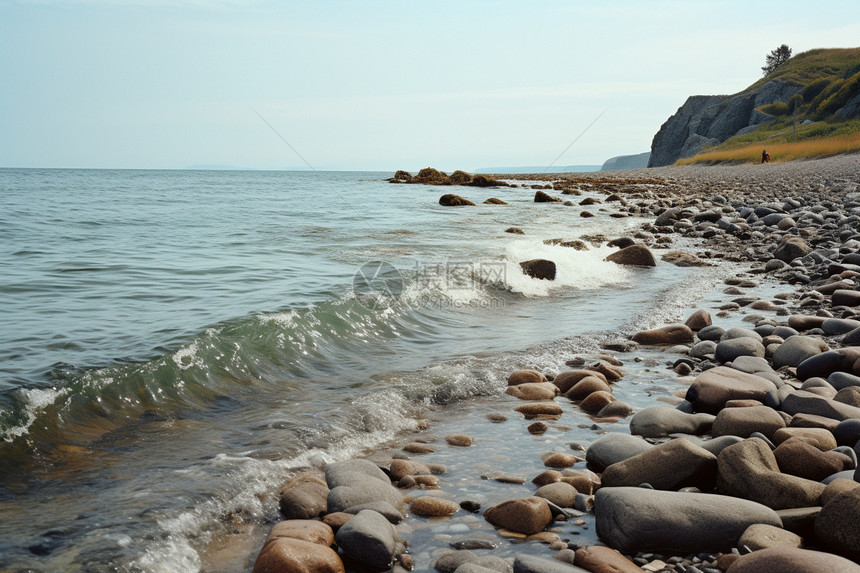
(175, 344)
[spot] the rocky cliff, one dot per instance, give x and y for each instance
(709, 120)
(626, 162)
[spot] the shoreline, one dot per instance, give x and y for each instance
(431, 537)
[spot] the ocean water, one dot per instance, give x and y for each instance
(174, 344)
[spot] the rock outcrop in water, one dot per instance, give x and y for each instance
(709, 120)
(431, 176)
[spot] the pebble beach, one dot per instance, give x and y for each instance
(726, 440)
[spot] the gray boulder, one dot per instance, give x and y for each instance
(362, 489)
(634, 519)
(613, 448)
(838, 326)
(370, 539)
(790, 559)
(343, 472)
(738, 332)
(749, 470)
(796, 349)
(672, 465)
(703, 348)
(840, 380)
(744, 421)
(791, 248)
(838, 524)
(807, 403)
(710, 391)
(728, 350)
(658, 421)
(455, 560)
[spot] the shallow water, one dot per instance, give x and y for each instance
(176, 343)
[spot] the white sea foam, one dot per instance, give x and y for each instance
(186, 357)
(284, 319)
(574, 269)
(34, 400)
(374, 419)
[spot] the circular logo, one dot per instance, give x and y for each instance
(377, 284)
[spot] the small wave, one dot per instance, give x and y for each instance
(574, 269)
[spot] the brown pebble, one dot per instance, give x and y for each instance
(407, 482)
(497, 418)
(337, 519)
(416, 448)
(557, 460)
(460, 440)
(427, 481)
(535, 409)
(537, 428)
(546, 477)
(406, 561)
(433, 507)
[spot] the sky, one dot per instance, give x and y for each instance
(374, 85)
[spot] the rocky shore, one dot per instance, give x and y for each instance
(743, 458)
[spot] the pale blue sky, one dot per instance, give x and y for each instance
(373, 84)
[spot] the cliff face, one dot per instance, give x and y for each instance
(710, 120)
(637, 161)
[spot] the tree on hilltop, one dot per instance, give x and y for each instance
(776, 58)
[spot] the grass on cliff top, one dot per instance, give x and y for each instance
(806, 67)
(845, 138)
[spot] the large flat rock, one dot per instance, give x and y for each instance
(634, 519)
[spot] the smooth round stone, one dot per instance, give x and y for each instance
(796, 349)
(703, 349)
(761, 536)
(529, 516)
(837, 326)
(560, 493)
(428, 506)
(838, 524)
(764, 330)
(840, 380)
(784, 332)
(712, 332)
(698, 320)
(613, 448)
(738, 332)
(558, 460)
(852, 338)
(844, 297)
(789, 559)
(459, 440)
(525, 377)
(287, 554)
(847, 433)
(729, 349)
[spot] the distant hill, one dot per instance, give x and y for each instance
(540, 169)
(815, 94)
(637, 161)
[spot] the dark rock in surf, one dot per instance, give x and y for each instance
(539, 269)
(451, 200)
(635, 255)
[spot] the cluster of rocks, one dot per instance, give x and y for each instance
(431, 176)
(753, 466)
(752, 458)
